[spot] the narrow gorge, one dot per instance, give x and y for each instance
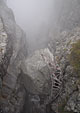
(44, 79)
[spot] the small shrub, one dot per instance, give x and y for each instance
(61, 107)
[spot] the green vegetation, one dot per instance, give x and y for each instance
(75, 56)
(68, 43)
(61, 107)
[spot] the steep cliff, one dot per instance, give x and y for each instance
(45, 82)
(20, 78)
(13, 50)
(69, 99)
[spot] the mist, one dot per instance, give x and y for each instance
(35, 18)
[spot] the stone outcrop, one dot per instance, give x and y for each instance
(37, 71)
(13, 50)
(42, 78)
(69, 100)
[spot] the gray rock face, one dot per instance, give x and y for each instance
(3, 40)
(69, 98)
(42, 79)
(37, 71)
(13, 50)
(34, 72)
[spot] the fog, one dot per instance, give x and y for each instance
(35, 18)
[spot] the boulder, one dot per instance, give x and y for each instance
(37, 71)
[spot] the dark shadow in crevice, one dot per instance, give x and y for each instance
(35, 106)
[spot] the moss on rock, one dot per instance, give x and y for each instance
(75, 56)
(61, 107)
